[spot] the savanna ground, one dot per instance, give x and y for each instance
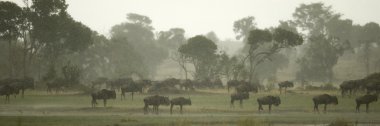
(211, 107)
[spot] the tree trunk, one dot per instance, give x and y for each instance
(366, 57)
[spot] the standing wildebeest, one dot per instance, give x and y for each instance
(285, 84)
(103, 94)
(366, 99)
(179, 101)
(268, 100)
(324, 99)
(155, 101)
(351, 86)
(7, 91)
(247, 87)
(239, 96)
(131, 87)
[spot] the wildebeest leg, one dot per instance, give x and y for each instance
(157, 109)
(22, 92)
(324, 110)
(122, 95)
(241, 103)
(342, 92)
(366, 107)
(316, 107)
(232, 103)
(357, 107)
(270, 108)
(350, 93)
(180, 108)
(171, 108)
(105, 102)
(145, 109)
(132, 96)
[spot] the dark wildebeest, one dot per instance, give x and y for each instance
(131, 87)
(373, 87)
(268, 100)
(351, 86)
(239, 96)
(247, 87)
(366, 99)
(324, 99)
(57, 84)
(181, 101)
(103, 94)
(7, 91)
(285, 85)
(155, 101)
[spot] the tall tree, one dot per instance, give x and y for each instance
(10, 21)
(201, 51)
(243, 26)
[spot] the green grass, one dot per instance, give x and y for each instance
(40, 109)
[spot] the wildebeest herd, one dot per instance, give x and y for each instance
(370, 85)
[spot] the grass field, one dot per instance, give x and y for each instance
(208, 108)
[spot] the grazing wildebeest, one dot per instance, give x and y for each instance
(268, 100)
(324, 99)
(232, 83)
(247, 87)
(131, 87)
(285, 85)
(239, 96)
(351, 86)
(103, 94)
(155, 101)
(181, 101)
(25, 83)
(366, 99)
(373, 87)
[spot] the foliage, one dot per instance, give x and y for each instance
(201, 51)
(243, 26)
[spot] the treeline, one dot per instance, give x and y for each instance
(42, 40)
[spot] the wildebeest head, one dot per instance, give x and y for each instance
(165, 101)
(334, 100)
(187, 101)
(277, 101)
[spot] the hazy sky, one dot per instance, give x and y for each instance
(202, 16)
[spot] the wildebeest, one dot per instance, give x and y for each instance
(131, 87)
(179, 101)
(373, 87)
(7, 91)
(324, 99)
(19, 84)
(285, 85)
(268, 100)
(239, 96)
(103, 94)
(366, 99)
(155, 101)
(351, 86)
(247, 87)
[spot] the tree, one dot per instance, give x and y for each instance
(328, 37)
(136, 34)
(10, 21)
(243, 26)
(201, 52)
(370, 35)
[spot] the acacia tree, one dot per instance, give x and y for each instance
(10, 21)
(201, 52)
(263, 44)
(321, 25)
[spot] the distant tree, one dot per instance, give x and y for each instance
(212, 36)
(328, 37)
(370, 36)
(201, 52)
(172, 39)
(137, 34)
(243, 26)
(10, 21)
